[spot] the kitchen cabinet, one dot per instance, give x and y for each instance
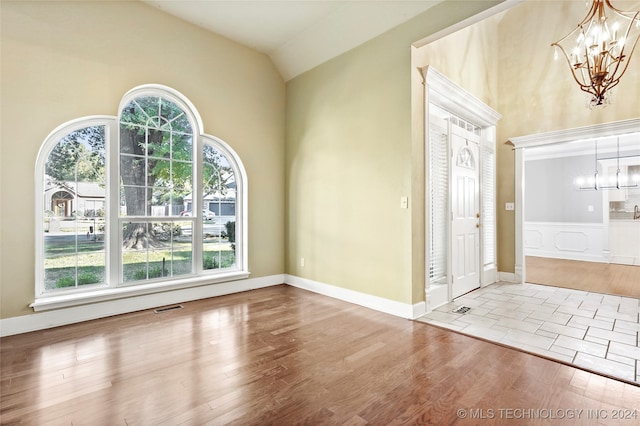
(624, 241)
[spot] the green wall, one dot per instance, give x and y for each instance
(349, 161)
(353, 148)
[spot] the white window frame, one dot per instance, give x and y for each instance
(114, 288)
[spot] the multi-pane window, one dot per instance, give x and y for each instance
(219, 189)
(139, 198)
(156, 172)
(73, 211)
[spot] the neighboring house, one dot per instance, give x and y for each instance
(223, 206)
(66, 199)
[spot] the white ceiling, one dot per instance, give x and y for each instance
(297, 34)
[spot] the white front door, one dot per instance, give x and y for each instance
(465, 206)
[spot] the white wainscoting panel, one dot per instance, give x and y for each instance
(573, 241)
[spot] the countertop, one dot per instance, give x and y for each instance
(621, 215)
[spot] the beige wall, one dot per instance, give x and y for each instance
(467, 58)
(538, 94)
(63, 60)
(349, 155)
(507, 62)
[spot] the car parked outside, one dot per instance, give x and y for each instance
(206, 214)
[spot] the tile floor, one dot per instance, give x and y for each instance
(593, 331)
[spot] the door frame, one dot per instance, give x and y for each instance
(521, 143)
(442, 92)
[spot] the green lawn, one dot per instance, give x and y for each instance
(61, 261)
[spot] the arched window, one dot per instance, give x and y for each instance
(144, 198)
(465, 158)
(72, 250)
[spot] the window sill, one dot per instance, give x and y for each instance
(49, 302)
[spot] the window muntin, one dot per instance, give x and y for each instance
(74, 212)
(220, 192)
(465, 158)
(168, 255)
(167, 145)
(156, 173)
(156, 156)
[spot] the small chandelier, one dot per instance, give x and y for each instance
(599, 49)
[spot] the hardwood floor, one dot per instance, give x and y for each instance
(609, 278)
(280, 356)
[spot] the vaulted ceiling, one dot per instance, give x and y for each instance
(297, 34)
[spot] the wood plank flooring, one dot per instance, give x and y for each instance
(282, 356)
(609, 278)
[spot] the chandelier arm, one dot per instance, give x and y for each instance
(618, 11)
(590, 66)
(636, 17)
(613, 84)
(609, 84)
(595, 6)
(573, 70)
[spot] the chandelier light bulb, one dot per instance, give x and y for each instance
(615, 27)
(624, 179)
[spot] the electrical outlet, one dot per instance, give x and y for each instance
(302, 262)
(404, 202)
(509, 206)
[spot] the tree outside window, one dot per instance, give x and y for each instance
(159, 152)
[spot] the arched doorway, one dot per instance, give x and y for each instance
(62, 203)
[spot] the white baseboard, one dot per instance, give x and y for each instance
(64, 316)
(509, 277)
(75, 314)
(399, 309)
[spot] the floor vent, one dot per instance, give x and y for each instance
(167, 308)
(461, 310)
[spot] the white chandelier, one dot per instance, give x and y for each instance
(599, 49)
